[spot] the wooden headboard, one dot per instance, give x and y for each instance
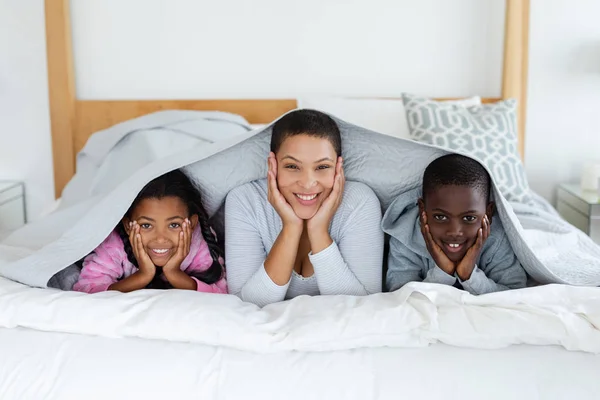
(73, 120)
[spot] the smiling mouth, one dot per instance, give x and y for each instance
(306, 199)
(159, 252)
(453, 247)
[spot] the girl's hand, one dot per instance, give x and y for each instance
(319, 223)
(276, 199)
(440, 258)
(183, 248)
(467, 264)
(145, 264)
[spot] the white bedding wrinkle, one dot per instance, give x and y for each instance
(219, 153)
(414, 316)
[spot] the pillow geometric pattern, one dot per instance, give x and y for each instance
(487, 133)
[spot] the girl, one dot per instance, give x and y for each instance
(163, 241)
(303, 230)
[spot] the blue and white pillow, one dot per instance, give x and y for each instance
(487, 132)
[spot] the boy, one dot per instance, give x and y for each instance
(447, 235)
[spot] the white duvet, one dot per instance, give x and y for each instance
(415, 316)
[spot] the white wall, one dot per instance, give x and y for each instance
(563, 131)
(270, 48)
(25, 149)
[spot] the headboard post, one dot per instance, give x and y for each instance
(61, 90)
(516, 47)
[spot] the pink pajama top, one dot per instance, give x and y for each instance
(109, 264)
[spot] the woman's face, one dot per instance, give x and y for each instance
(305, 172)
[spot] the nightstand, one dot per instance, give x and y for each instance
(12, 205)
(580, 208)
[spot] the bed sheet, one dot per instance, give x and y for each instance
(46, 365)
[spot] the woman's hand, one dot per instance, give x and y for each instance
(276, 199)
(321, 220)
(318, 225)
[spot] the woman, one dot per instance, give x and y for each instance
(303, 230)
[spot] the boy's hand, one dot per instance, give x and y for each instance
(436, 251)
(467, 264)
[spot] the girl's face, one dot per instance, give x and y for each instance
(160, 222)
(305, 172)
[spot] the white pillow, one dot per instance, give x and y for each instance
(386, 116)
(257, 126)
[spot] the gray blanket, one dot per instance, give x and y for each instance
(219, 152)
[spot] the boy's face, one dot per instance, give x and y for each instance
(454, 215)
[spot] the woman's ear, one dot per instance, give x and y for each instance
(490, 210)
(194, 221)
(272, 163)
(125, 221)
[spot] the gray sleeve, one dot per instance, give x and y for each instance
(404, 266)
(245, 253)
(438, 275)
(353, 265)
(503, 271)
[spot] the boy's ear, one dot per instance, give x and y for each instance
(421, 204)
(194, 220)
(125, 221)
(490, 210)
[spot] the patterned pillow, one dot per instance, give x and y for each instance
(487, 133)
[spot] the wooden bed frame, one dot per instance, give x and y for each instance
(73, 120)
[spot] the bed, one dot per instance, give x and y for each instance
(422, 341)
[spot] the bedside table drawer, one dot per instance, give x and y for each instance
(12, 214)
(580, 208)
(12, 205)
(574, 216)
(595, 230)
(11, 193)
(587, 203)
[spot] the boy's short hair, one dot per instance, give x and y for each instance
(306, 122)
(458, 170)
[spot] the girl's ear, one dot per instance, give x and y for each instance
(125, 221)
(194, 220)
